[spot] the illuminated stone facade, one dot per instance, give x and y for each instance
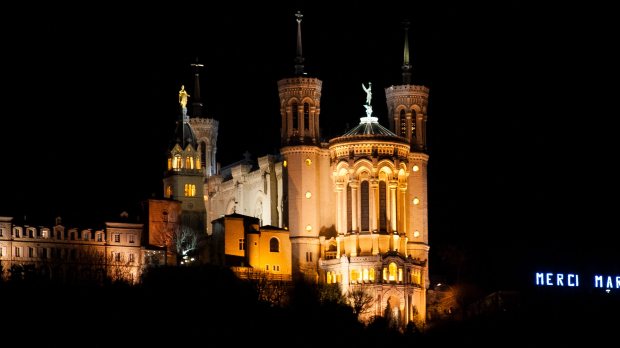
(72, 254)
(355, 207)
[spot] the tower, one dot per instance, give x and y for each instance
(183, 179)
(303, 161)
(407, 104)
(205, 129)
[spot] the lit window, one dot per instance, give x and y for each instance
(329, 277)
(169, 163)
(308, 194)
(168, 191)
(284, 164)
(371, 275)
(416, 233)
(274, 245)
(176, 164)
(416, 201)
(308, 161)
(241, 244)
(392, 271)
(415, 168)
(308, 228)
(190, 190)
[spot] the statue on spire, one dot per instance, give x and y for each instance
(183, 99)
(368, 92)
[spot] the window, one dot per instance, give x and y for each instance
(403, 124)
(190, 190)
(364, 211)
(30, 252)
(117, 238)
(132, 258)
(132, 238)
(276, 268)
(117, 257)
(203, 153)
(176, 164)
(1, 232)
(295, 111)
(168, 191)
(17, 252)
(392, 271)
(349, 209)
(99, 237)
(241, 244)
(266, 267)
(274, 245)
(413, 121)
(382, 206)
(1, 253)
(308, 256)
(306, 116)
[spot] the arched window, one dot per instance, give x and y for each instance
(382, 209)
(392, 271)
(365, 223)
(169, 163)
(414, 119)
(168, 191)
(295, 116)
(176, 164)
(306, 116)
(203, 153)
(274, 245)
(403, 124)
(349, 209)
(371, 275)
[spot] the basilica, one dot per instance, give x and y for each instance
(350, 211)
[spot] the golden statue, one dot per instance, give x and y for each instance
(183, 97)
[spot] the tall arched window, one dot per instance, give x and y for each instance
(176, 164)
(349, 210)
(382, 209)
(392, 271)
(365, 223)
(403, 123)
(203, 153)
(295, 116)
(306, 116)
(274, 245)
(414, 119)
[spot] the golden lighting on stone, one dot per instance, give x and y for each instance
(416, 233)
(308, 228)
(308, 161)
(416, 201)
(415, 168)
(308, 194)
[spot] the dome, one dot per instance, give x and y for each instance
(369, 126)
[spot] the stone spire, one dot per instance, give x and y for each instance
(406, 67)
(197, 103)
(299, 59)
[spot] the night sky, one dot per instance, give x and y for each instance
(520, 113)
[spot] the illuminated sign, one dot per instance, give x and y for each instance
(573, 280)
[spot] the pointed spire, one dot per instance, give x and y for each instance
(196, 103)
(299, 60)
(406, 67)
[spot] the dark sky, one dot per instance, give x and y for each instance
(520, 112)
